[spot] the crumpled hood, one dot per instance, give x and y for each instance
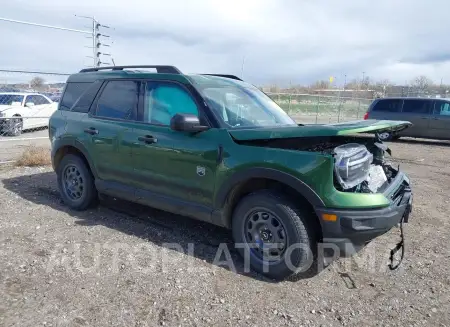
(352, 127)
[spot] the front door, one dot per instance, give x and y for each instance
(177, 165)
(440, 120)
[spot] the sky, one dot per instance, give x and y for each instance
(267, 42)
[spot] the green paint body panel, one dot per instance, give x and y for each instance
(170, 167)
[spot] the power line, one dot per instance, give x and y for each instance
(94, 34)
(43, 25)
(31, 72)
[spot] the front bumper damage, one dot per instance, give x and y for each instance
(355, 228)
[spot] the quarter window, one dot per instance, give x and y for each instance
(71, 94)
(388, 105)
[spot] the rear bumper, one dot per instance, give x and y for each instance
(355, 228)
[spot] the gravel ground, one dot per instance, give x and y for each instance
(115, 266)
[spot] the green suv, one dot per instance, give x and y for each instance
(215, 148)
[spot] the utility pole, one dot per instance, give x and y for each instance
(242, 67)
(95, 34)
(96, 41)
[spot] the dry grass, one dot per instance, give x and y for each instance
(34, 156)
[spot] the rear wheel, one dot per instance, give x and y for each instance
(76, 183)
(276, 236)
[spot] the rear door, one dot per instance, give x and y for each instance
(418, 112)
(440, 120)
(109, 130)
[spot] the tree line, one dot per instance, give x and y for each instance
(418, 85)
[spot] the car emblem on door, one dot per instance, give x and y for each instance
(201, 171)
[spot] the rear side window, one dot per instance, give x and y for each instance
(388, 105)
(71, 94)
(417, 106)
(83, 104)
(119, 100)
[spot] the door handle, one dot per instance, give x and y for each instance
(423, 117)
(148, 139)
(91, 130)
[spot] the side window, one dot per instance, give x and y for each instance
(163, 100)
(40, 100)
(119, 100)
(442, 108)
(84, 102)
(30, 98)
(388, 105)
(71, 94)
(417, 106)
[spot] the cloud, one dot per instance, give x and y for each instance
(295, 41)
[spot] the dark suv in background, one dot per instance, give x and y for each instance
(430, 117)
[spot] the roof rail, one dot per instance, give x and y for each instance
(161, 69)
(225, 75)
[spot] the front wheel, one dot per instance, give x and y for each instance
(276, 236)
(14, 126)
(386, 136)
(76, 183)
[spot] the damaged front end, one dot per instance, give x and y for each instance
(360, 163)
(362, 167)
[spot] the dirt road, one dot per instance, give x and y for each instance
(126, 265)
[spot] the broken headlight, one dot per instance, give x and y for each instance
(352, 164)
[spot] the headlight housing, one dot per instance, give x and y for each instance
(2, 114)
(352, 164)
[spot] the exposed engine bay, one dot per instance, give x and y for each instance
(359, 165)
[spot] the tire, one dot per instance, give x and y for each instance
(14, 126)
(299, 229)
(72, 173)
(386, 136)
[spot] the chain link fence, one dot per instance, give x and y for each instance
(321, 109)
(27, 100)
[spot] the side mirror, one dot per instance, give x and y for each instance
(186, 123)
(29, 104)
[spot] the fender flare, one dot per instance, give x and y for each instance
(258, 172)
(58, 144)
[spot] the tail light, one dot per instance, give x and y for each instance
(366, 116)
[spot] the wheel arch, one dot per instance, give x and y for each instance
(63, 147)
(253, 179)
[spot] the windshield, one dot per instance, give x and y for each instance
(244, 107)
(11, 99)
